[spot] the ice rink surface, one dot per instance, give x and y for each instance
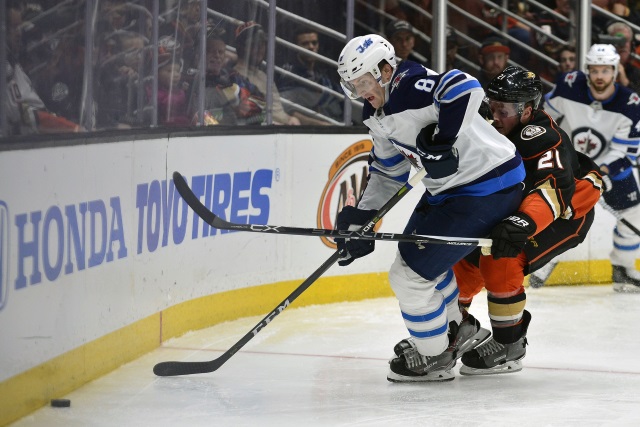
(327, 365)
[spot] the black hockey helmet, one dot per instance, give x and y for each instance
(517, 85)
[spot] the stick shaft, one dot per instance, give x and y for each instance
(366, 234)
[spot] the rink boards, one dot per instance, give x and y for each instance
(101, 260)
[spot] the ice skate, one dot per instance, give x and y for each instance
(411, 366)
(470, 335)
(492, 358)
(625, 280)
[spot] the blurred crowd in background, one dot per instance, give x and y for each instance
(50, 90)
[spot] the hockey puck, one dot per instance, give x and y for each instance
(60, 403)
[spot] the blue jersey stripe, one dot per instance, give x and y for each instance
(460, 90)
(392, 161)
(632, 142)
(424, 317)
(622, 175)
(447, 279)
(451, 297)
(427, 334)
(626, 247)
(486, 184)
(445, 80)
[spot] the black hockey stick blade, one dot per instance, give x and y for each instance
(215, 221)
(166, 369)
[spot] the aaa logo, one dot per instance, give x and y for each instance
(347, 181)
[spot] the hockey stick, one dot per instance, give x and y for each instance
(166, 369)
(215, 221)
(617, 216)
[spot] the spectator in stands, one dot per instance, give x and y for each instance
(251, 46)
(172, 97)
(600, 21)
(60, 83)
(403, 38)
(493, 58)
(409, 14)
(185, 27)
(628, 70)
(26, 112)
(119, 83)
(453, 61)
(308, 67)
(567, 59)
(225, 102)
(115, 15)
(515, 28)
(558, 27)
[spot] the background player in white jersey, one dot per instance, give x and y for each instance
(418, 117)
(603, 120)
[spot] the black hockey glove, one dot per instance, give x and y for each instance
(441, 160)
(351, 218)
(510, 236)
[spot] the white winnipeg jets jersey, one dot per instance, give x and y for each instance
(417, 97)
(604, 130)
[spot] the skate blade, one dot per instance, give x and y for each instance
(431, 377)
(626, 288)
(505, 368)
(481, 336)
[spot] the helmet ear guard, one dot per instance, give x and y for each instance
(602, 54)
(362, 55)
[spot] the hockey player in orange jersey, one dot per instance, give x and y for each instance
(561, 190)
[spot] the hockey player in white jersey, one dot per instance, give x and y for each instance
(603, 120)
(418, 117)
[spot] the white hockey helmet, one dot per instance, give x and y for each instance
(602, 54)
(362, 55)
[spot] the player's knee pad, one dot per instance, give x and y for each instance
(625, 193)
(503, 276)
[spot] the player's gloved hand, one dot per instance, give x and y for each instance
(439, 160)
(351, 218)
(510, 236)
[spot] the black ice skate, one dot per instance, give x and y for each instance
(492, 357)
(470, 334)
(411, 366)
(625, 280)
